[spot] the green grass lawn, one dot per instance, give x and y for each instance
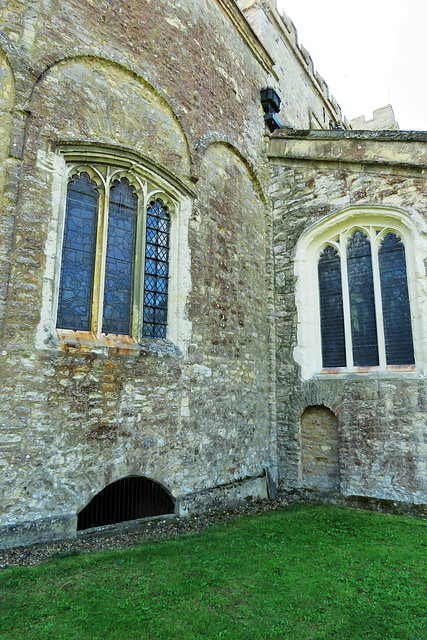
(306, 572)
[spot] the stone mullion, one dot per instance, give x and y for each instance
(378, 299)
(138, 280)
(346, 302)
(100, 258)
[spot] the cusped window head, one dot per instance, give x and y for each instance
(357, 295)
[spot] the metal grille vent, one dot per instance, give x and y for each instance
(127, 499)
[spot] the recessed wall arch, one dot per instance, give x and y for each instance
(231, 221)
(7, 80)
(319, 467)
(376, 221)
(7, 101)
(150, 189)
(217, 139)
(120, 107)
(23, 78)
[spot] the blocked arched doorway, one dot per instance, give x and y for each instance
(130, 498)
(319, 461)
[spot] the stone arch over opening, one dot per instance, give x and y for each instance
(129, 498)
(211, 142)
(319, 452)
(410, 228)
(87, 98)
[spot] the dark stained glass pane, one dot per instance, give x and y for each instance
(395, 302)
(78, 255)
(331, 309)
(156, 271)
(119, 265)
(362, 302)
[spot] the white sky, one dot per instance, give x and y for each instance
(370, 53)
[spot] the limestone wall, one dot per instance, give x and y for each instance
(319, 447)
(306, 101)
(7, 91)
(169, 91)
(174, 89)
(317, 179)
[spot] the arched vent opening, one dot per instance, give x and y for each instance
(127, 499)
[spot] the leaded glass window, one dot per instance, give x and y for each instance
(115, 253)
(78, 254)
(331, 308)
(365, 317)
(395, 301)
(119, 263)
(156, 271)
(362, 304)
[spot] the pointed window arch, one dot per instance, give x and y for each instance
(78, 254)
(331, 308)
(120, 258)
(378, 312)
(395, 301)
(357, 291)
(362, 301)
(115, 255)
(156, 271)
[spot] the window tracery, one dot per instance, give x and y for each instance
(113, 224)
(378, 312)
(359, 278)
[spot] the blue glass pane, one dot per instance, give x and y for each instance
(78, 255)
(395, 302)
(362, 302)
(331, 309)
(119, 264)
(156, 271)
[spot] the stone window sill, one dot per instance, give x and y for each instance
(391, 371)
(120, 344)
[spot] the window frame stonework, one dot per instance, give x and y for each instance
(150, 185)
(104, 177)
(336, 231)
(374, 236)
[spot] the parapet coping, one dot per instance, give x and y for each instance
(404, 149)
(361, 134)
(288, 31)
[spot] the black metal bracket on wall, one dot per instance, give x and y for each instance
(270, 101)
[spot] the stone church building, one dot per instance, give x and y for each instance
(211, 286)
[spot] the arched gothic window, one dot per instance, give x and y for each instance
(364, 303)
(360, 282)
(115, 256)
